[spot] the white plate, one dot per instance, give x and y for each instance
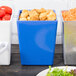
(44, 72)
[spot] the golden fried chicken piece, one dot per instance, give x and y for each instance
(34, 10)
(48, 11)
(23, 19)
(37, 10)
(23, 11)
(24, 15)
(43, 16)
(28, 18)
(42, 10)
(51, 16)
(33, 15)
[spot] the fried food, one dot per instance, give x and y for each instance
(23, 19)
(28, 18)
(33, 15)
(42, 10)
(24, 15)
(48, 11)
(43, 16)
(37, 14)
(69, 15)
(51, 16)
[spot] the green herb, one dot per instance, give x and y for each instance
(58, 72)
(49, 73)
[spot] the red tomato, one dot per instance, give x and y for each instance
(7, 9)
(2, 13)
(6, 17)
(0, 19)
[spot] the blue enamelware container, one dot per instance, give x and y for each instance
(37, 41)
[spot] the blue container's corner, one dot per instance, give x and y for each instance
(37, 41)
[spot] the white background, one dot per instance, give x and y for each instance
(57, 5)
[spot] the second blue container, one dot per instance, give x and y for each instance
(37, 42)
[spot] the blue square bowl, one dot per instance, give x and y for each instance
(37, 41)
